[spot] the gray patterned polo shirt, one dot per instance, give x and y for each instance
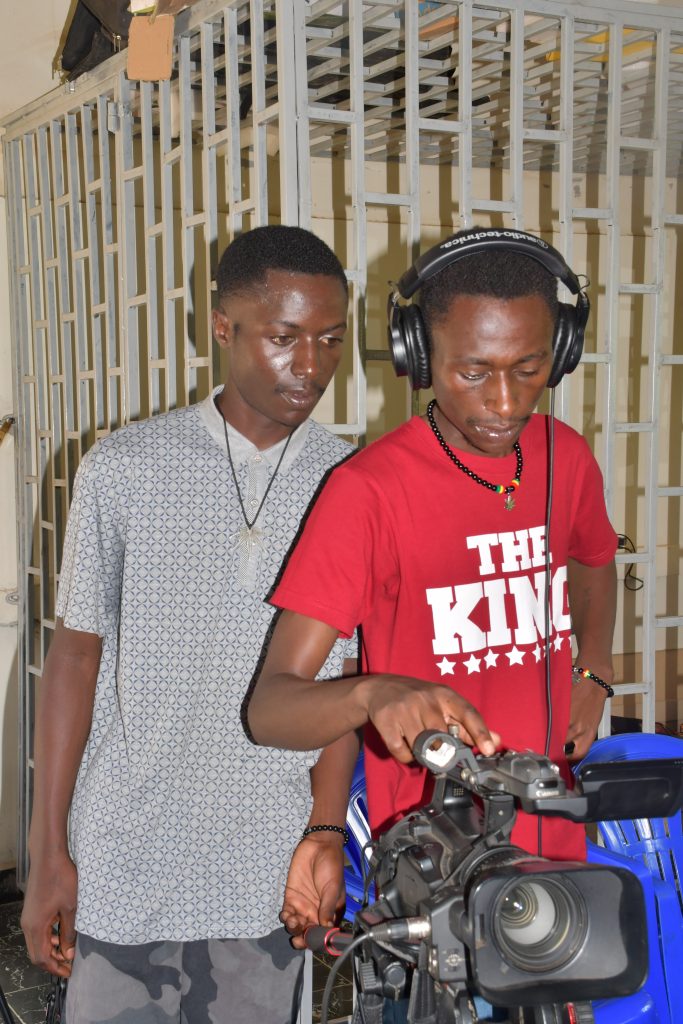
(180, 826)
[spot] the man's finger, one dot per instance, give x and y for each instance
(478, 733)
(67, 935)
(329, 899)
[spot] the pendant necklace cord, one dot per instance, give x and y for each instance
(497, 488)
(234, 476)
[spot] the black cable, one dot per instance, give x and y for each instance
(631, 581)
(550, 421)
(331, 978)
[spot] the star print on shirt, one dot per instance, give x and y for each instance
(537, 653)
(446, 667)
(472, 665)
(557, 642)
(491, 659)
(515, 656)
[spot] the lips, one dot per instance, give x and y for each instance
(301, 398)
(497, 430)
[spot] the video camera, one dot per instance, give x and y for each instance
(467, 914)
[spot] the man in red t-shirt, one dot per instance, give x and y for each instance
(433, 541)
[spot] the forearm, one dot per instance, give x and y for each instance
(63, 719)
(318, 713)
(593, 601)
(331, 781)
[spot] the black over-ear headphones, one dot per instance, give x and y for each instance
(408, 340)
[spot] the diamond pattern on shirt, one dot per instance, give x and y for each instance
(180, 826)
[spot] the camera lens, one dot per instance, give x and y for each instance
(539, 923)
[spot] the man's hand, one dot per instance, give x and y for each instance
(51, 900)
(314, 893)
(588, 702)
(400, 708)
(289, 708)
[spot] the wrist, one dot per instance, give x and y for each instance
(45, 842)
(601, 666)
(363, 692)
(325, 834)
(581, 672)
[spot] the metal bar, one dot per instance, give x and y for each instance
(654, 344)
(209, 183)
(258, 85)
(566, 162)
(125, 208)
(155, 403)
(289, 18)
(359, 205)
(465, 104)
(614, 260)
(167, 243)
(517, 117)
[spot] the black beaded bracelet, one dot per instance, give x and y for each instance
(587, 674)
(326, 828)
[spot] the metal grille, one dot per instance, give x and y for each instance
(383, 125)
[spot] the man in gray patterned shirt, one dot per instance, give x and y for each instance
(161, 835)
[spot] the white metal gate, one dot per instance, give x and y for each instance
(382, 124)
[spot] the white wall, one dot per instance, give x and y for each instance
(30, 38)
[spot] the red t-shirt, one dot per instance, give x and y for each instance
(448, 586)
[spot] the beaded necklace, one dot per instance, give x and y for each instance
(508, 491)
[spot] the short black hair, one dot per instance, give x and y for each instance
(247, 260)
(500, 274)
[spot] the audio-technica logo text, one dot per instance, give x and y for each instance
(477, 236)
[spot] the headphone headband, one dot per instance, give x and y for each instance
(485, 240)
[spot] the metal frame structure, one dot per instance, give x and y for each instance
(379, 123)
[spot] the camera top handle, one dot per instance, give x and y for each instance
(534, 782)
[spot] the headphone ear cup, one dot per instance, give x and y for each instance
(567, 344)
(418, 348)
(409, 345)
(397, 340)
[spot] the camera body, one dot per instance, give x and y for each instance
(475, 915)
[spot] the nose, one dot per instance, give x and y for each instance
(306, 361)
(501, 396)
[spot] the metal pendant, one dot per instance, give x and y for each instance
(250, 540)
(509, 503)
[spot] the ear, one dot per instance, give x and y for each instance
(223, 328)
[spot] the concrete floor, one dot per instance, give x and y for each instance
(25, 987)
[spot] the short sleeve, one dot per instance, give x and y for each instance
(89, 591)
(593, 541)
(331, 574)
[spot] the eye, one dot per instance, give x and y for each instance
(473, 376)
(282, 339)
(331, 340)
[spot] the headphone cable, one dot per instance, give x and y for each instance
(550, 423)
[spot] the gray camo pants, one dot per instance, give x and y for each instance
(214, 981)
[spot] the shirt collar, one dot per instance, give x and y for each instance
(241, 448)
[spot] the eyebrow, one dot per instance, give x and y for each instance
(342, 325)
(475, 361)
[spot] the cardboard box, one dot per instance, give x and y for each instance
(150, 47)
